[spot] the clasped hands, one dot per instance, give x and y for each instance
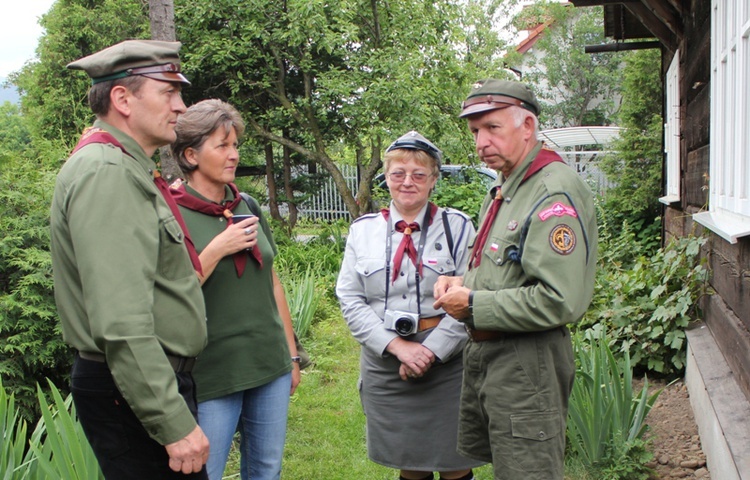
(451, 295)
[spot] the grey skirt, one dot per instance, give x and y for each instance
(413, 424)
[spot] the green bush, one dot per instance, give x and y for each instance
(465, 194)
(645, 302)
(605, 417)
(31, 345)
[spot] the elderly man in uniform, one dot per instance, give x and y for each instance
(531, 272)
(125, 284)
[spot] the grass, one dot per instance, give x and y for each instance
(326, 429)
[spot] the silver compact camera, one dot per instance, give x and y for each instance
(403, 323)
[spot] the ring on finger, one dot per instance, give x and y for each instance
(248, 231)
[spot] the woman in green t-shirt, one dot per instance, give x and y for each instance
(249, 369)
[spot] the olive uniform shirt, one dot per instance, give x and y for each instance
(124, 283)
(547, 279)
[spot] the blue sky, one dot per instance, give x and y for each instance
(19, 33)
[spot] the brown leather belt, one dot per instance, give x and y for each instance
(429, 322)
(485, 335)
(179, 364)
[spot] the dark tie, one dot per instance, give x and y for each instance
(484, 231)
(240, 260)
(406, 245)
(161, 184)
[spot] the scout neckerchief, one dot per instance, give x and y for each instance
(406, 246)
(191, 202)
(99, 135)
(543, 158)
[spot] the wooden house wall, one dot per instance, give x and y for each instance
(727, 311)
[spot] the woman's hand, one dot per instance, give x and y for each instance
(237, 237)
(415, 358)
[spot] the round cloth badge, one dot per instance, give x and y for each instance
(562, 239)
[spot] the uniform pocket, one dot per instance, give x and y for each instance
(173, 261)
(440, 265)
(536, 444)
(502, 251)
(372, 272)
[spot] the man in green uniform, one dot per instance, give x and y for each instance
(125, 283)
(531, 272)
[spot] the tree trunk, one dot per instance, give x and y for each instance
(288, 190)
(161, 16)
(273, 198)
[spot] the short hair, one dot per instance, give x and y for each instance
(519, 115)
(405, 154)
(99, 100)
(198, 123)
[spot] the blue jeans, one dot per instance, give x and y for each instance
(260, 416)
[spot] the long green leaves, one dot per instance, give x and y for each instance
(303, 302)
(12, 435)
(58, 443)
(57, 447)
(605, 419)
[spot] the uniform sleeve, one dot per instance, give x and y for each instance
(366, 326)
(449, 337)
(558, 263)
(115, 234)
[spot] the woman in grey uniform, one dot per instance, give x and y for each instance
(410, 365)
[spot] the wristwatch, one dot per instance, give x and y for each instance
(296, 359)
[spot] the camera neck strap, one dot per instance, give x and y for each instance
(416, 260)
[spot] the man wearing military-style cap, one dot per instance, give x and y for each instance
(124, 271)
(531, 272)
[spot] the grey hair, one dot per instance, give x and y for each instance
(519, 116)
(198, 123)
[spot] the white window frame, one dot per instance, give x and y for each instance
(672, 132)
(729, 172)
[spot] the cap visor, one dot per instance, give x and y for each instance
(167, 77)
(482, 107)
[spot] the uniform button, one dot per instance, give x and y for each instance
(367, 272)
(541, 435)
(440, 269)
(403, 296)
(402, 274)
(179, 236)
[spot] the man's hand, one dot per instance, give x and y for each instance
(444, 283)
(455, 301)
(189, 454)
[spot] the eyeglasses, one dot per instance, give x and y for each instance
(416, 177)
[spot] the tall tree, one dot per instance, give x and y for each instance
(54, 98)
(574, 87)
(357, 73)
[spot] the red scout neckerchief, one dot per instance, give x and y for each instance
(543, 158)
(98, 135)
(407, 244)
(210, 208)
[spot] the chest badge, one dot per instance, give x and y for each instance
(562, 239)
(512, 225)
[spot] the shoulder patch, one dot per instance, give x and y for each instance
(562, 239)
(557, 210)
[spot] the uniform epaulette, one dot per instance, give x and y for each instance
(453, 211)
(366, 216)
